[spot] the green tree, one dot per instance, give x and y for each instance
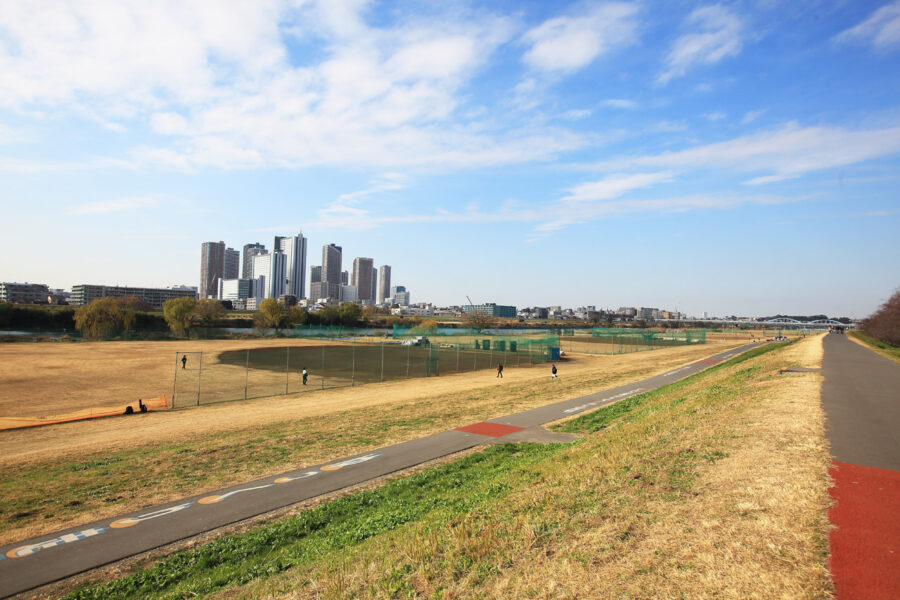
(6, 311)
(128, 308)
(99, 319)
(272, 312)
(179, 314)
(350, 314)
(479, 321)
(297, 315)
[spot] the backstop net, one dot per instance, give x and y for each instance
(346, 357)
(624, 340)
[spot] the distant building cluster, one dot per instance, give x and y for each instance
(281, 273)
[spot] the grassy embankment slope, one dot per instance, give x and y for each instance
(711, 487)
(882, 348)
(64, 475)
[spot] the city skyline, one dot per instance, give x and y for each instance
(729, 158)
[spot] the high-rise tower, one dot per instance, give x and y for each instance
(294, 250)
(384, 283)
(362, 278)
(212, 267)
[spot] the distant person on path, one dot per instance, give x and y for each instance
(553, 372)
(500, 370)
(305, 375)
(183, 360)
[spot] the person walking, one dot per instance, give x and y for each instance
(500, 370)
(553, 372)
(305, 375)
(183, 361)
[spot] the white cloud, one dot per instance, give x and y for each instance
(388, 182)
(222, 86)
(122, 205)
(752, 115)
(576, 114)
(569, 43)
(788, 152)
(881, 29)
(715, 116)
(717, 36)
(620, 103)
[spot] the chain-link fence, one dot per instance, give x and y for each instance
(624, 341)
(206, 377)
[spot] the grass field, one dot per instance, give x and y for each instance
(713, 487)
(882, 348)
(52, 477)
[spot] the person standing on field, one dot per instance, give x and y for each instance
(305, 375)
(500, 370)
(553, 372)
(183, 361)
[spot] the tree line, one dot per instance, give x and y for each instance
(884, 323)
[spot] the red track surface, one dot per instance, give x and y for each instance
(490, 429)
(865, 546)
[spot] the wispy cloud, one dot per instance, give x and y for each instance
(881, 29)
(620, 103)
(717, 35)
(751, 116)
(569, 43)
(787, 152)
(110, 206)
(388, 182)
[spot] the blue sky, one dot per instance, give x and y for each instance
(735, 158)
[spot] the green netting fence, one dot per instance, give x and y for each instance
(624, 340)
(209, 377)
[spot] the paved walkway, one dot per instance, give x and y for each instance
(33, 563)
(861, 399)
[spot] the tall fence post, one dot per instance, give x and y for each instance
(246, 373)
(323, 367)
(352, 364)
(408, 350)
(199, 377)
(457, 357)
(382, 361)
(175, 381)
(287, 368)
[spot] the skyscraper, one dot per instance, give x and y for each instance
(269, 272)
(294, 250)
(331, 272)
(315, 274)
(384, 283)
(374, 285)
(212, 267)
(250, 250)
(362, 278)
(231, 264)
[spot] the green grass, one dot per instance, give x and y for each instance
(883, 348)
(437, 495)
(435, 499)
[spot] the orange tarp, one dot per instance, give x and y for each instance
(87, 413)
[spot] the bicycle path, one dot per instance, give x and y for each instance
(32, 563)
(861, 400)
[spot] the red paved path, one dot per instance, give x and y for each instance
(861, 398)
(865, 546)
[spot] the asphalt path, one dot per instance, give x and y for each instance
(32, 563)
(861, 399)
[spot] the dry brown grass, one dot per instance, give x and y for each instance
(167, 455)
(717, 491)
(54, 378)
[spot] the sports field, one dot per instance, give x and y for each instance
(63, 474)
